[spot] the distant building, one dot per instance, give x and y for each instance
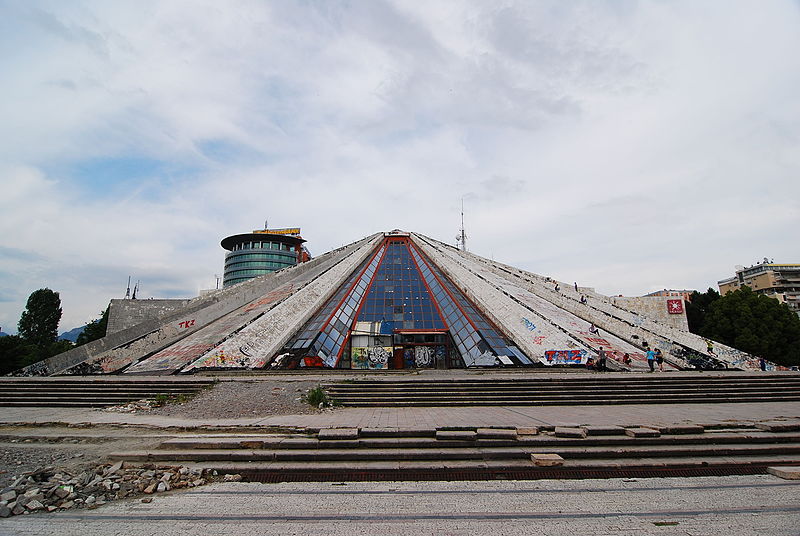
(261, 252)
(684, 294)
(780, 281)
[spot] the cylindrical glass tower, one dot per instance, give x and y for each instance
(258, 253)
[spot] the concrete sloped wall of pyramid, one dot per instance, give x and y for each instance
(609, 317)
(532, 329)
(254, 345)
(250, 335)
(118, 350)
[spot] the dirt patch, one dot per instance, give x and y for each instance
(241, 399)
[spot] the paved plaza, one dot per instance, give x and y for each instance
(427, 417)
(730, 506)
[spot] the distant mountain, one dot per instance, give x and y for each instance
(71, 335)
(3, 334)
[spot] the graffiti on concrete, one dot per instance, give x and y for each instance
(370, 357)
(271, 297)
(86, 369)
(186, 324)
(423, 356)
(36, 369)
(528, 324)
(565, 357)
(599, 341)
(201, 341)
(408, 357)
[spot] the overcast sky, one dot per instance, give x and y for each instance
(629, 146)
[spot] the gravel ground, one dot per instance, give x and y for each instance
(19, 454)
(243, 399)
(24, 449)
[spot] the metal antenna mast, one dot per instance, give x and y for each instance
(128, 292)
(461, 239)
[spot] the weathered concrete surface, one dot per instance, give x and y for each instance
(655, 308)
(547, 460)
(501, 308)
(787, 473)
(124, 314)
(224, 343)
(740, 505)
(612, 317)
(265, 336)
(543, 330)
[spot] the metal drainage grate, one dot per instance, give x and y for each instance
(535, 474)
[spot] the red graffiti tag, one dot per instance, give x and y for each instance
(186, 324)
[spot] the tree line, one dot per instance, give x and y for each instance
(747, 321)
(37, 337)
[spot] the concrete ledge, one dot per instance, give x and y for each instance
(398, 432)
(547, 460)
(787, 473)
(642, 432)
(562, 431)
(527, 430)
(461, 435)
(779, 426)
(497, 433)
(604, 430)
(326, 434)
(677, 429)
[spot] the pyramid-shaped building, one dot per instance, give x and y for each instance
(392, 300)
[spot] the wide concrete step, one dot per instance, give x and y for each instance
(579, 378)
(65, 404)
(387, 386)
(583, 389)
(519, 469)
(255, 442)
(576, 401)
(99, 388)
(595, 394)
(463, 453)
(100, 381)
(90, 392)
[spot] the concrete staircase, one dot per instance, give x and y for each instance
(352, 454)
(578, 390)
(92, 391)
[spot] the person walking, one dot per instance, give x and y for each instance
(651, 359)
(659, 359)
(601, 360)
(762, 363)
(709, 346)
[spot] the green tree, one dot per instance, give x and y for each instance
(697, 308)
(39, 321)
(16, 353)
(756, 324)
(94, 330)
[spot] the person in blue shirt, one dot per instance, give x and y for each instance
(651, 359)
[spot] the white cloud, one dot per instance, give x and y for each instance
(630, 146)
